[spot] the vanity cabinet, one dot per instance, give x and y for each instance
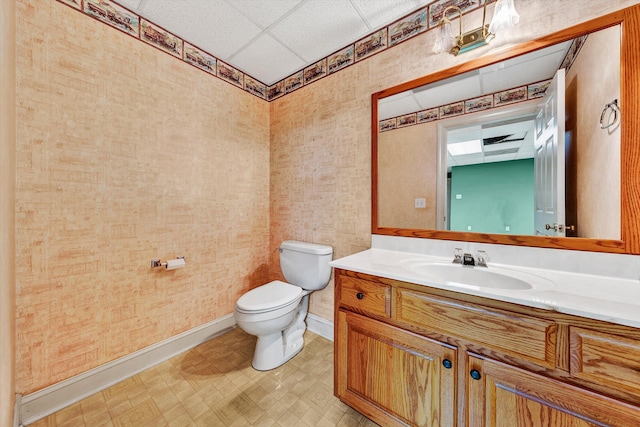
(502, 395)
(410, 355)
(394, 376)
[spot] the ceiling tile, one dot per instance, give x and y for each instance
(443, 94)
(211, 25)
(523, 70)
(383, 12)
(396, 105)
(267, 60)
(319, 27)
(264, 12)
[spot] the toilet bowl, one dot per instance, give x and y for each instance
(257, 317)
(275, 312)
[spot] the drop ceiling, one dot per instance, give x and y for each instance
(271, 39)
(497, 142)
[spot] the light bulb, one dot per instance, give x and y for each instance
(444, 39)
(504, 16)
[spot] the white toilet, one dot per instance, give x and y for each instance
(275, 312)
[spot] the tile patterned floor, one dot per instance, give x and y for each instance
(214, 385)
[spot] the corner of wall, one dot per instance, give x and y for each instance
(7, 210)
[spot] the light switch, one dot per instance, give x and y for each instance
(420, 203)
(458, 196)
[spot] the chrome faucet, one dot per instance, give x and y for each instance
(468, 260)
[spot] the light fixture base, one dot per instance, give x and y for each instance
(472, 39)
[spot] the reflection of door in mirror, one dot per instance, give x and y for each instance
(414, 124)
(549, 153)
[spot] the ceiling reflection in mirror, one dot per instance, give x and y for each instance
(470, 153)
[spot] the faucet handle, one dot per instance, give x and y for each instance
(457, 256)
(482, 258)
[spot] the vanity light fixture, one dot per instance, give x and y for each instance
(504, 15)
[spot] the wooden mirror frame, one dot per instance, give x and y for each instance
(629, 21)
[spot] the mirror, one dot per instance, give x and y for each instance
(454, 152)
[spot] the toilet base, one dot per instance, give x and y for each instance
(276, 349)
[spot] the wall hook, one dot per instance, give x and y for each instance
(612, 118)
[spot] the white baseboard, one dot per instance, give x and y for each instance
(16, 411)
(320, 326)
(57, 396)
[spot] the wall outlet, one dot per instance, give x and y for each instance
(458, 196)
(507, 228)
(420, 203)
(468, 228)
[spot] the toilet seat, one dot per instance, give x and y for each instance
(269, 297)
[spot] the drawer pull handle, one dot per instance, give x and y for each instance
(447, 363)
(359, 295)
(475, 374)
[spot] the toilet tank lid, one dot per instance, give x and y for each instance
(310, 248)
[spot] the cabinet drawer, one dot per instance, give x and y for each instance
(606, 359)
(365, 296)
(527, 337)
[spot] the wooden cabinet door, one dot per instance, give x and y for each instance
(392, 376)
(505, 396)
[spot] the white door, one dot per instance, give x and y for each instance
(549, 161)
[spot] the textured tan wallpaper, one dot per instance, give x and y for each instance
(320, 154)
(408, 169)
(125, 154)
(7, 211)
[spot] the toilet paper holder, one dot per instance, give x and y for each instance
(157, 263)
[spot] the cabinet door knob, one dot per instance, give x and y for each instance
(447, 363)
(475, 374)
(359, 295)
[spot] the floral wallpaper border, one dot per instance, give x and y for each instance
(423, 19)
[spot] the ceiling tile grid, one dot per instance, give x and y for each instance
(315, 30)
(268, 58)
(250, 42)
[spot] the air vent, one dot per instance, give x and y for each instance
(504, 138)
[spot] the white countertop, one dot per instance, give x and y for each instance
(604, 298)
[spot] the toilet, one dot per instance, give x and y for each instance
(275, 312)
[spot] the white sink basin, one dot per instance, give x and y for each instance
(478, 277)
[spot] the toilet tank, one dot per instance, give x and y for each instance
(306, 264)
